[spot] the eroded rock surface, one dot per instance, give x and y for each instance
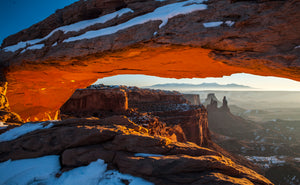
(188, 122)
(212, 38)
(81, 141)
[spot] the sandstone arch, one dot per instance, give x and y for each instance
(264, 40)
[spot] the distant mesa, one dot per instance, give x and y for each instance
(200, 86)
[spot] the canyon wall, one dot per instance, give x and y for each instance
(93, 100)
(194, 99)
(188, 122)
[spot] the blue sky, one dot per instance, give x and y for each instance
(17, 15)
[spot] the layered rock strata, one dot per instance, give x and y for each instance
(188, 122)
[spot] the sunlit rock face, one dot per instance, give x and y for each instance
(48, 61)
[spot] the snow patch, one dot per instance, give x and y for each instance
(212, 24)
(22, 130)
(163, 13)
(218, 23)
(34, 47)
(147, 155)
(72, 27)
(15, 47)
(229, 23)
(266, 161)
(43, 170)
(37, 46)
(27, 171)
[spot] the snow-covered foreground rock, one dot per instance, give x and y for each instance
(45, 170)
(83, 146)
(24, 129)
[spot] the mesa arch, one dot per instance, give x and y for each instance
(41, 80)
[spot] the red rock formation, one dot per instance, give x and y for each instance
(95, 100)
(193, 123)
(187, 122)
(263, 40)
(81, 141)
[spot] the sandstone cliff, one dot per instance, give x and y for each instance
(188, 122)
(194, 99)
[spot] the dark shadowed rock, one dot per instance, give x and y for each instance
(81, 141)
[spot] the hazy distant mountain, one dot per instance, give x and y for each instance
(200, 86)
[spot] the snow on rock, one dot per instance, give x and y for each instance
(218, 23)
(43, 170)
(15, 47)
(163, 13)
(34, 47)
(212, 24)
(113, 177)
(84, 24)
(22, 130)
(266, 161)
(28, 171)
(82, 175)
(229, 23)
(184, 107)
(37, 46)
(147, 155)
(72, 27)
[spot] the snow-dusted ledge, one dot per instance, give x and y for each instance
(163, 13)
(34, 47)
(218, 23)
(22, 130)
(68, 28)
(43, 170)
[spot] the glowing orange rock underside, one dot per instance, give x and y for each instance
(37, 91)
